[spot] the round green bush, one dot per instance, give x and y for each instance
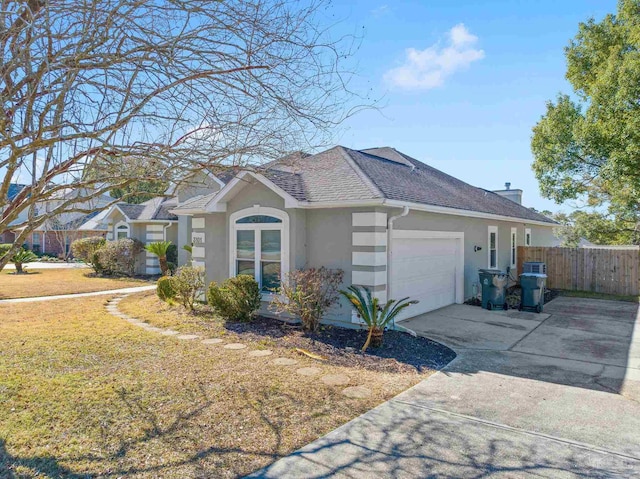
(166, 290)
(236, 299)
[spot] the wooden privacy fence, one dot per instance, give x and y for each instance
(600, 270)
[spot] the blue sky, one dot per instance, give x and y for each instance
(475, 81)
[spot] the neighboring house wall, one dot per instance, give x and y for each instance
(7, 237)
(55, 242)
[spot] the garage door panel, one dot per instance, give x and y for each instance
(425, 269)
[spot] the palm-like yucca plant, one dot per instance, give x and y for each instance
(376, 317)
(22, 256)
(159, 248)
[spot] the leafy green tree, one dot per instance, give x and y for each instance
(600, 228)
(587, 146)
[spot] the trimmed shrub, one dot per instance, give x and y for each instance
(308, 294)
(86, 248)
(118, 257)
(166, 290)
(236, 299)
(188, 282)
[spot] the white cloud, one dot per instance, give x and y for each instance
(429, 68)
(380, 11)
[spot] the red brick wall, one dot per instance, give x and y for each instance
(7, 237)
(54, 241)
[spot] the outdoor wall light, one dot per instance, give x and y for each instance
(477, 248)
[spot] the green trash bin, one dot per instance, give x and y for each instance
(494, 283)
(532, 285)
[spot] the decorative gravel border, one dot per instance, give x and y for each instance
(331, 380)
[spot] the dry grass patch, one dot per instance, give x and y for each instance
(85, 393)
(50, 282)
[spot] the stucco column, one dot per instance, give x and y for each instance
(198, 253)
(369, 253)
(154, 232)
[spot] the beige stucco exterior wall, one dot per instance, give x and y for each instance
(324, 237)
(476, 233)
(201, 184)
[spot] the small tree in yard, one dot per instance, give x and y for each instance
(118, 257)
(86, 248)
(160, 249)
(188, 282)
(21, 257)
(375, 316)
(308, 294)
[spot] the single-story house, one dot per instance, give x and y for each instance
(55, 235)
(391, 222)
(147, 222)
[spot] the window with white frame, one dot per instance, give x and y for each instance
(514, 247)
(35, 241)
(493, 247)
(122, 231)
(259, 239)
(527, 237)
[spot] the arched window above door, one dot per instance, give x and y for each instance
(259, 239)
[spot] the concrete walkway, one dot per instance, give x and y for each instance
(528, 396)
(43, 265)
(136, 289)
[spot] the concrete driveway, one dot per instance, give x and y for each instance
(549, 395)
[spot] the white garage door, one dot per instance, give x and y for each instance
(428, 267)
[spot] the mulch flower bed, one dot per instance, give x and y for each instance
(400, 352)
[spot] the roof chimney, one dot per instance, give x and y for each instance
(508, 193)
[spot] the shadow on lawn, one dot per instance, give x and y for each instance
(124, 456)
(203, 462)
(42, 466)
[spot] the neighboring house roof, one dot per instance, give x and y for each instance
(95, 222)
(14, 189)
(341, 174)
(155, 209)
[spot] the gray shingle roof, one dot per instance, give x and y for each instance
(153, 209)
(331, 176)
(290, 182)
(343, 174)
(421, 183)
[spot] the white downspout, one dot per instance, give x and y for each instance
(164, 231)
(405, 212)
